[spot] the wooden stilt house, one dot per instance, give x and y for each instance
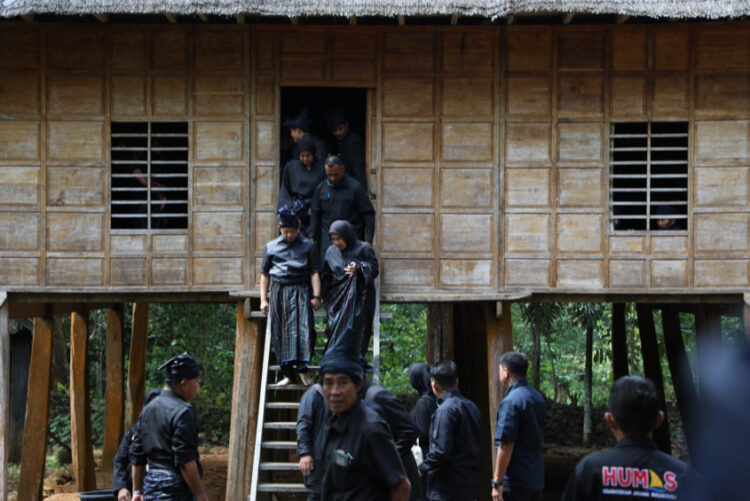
(515, 151)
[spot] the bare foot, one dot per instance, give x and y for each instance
(305, 378)
(284, 382)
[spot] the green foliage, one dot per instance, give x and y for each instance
(403, 341)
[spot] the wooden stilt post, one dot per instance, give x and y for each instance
(36, 429)
(137, 369)
(114, 394)
(652, 370)
(248, 365)
(707, 325)
(80, 408)
(619, 342)
(4, 393)
(440, 332)
(682, 377)
(499, 341)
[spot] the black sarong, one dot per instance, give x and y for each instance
(292, 324)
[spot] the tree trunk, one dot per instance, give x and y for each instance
(536, 355)
(587, 384)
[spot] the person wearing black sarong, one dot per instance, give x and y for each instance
(292, 262)
(348, 277)
(300, 178)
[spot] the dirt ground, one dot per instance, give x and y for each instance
(214, 479)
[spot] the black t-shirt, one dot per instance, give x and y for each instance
(634, 469)
(167, 434)
(360, 461)
(290, 262)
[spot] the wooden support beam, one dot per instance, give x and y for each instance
(240, 18)
(36, 429)
(454, 19)
(4, 393)
(102, 18)
(114, 397)
(203, 17)
(248, 366)
(619, 342)
(80, 406)
(401, 20)
(499, 341)
(707, 326)
(682, 376)
(568, 17)
(621, 19)
(171, 18)
(137, 369)
(653, 371)
(440, 329)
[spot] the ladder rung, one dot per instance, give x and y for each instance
(282, 488)
(279, 444)
(282, 405)
(288, 387)
(281, 425)
(268, 466)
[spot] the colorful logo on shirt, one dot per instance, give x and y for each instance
(624, 480)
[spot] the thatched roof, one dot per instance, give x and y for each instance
(293, 8)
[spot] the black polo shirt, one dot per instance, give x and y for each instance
(360, 461)
(520, 419)
(634, 469)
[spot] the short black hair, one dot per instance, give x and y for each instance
(334, 160)
(634, 403)
(445, 374)
(515, 362)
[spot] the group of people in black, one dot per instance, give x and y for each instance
(355, 440)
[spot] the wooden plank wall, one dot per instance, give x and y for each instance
(61, 87)
(489, 150)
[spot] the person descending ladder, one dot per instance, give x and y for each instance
(275, 461)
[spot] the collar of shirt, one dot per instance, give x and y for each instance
(520, 382)
(636, 441)
(341, 422)
(447, 395)
(170, 394)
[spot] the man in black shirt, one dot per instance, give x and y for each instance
(360, 461)
(122, 480)
(340, 196)
(167, 439)
(351, 148)
(452, 463)
(311, 421)
(635, 468)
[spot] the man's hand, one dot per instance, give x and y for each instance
(264, 307)
(497, 494)
(306, 464)
(123, 495)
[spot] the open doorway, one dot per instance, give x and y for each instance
(321, 102)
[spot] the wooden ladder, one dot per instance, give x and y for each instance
(275, 463)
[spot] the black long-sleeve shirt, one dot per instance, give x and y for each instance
(452, 464)
(346, 200)
(121, 472)
(311, 422)
(299, 181)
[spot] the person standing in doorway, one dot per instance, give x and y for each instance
(519, 433)
(349, 145)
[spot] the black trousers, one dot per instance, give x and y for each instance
(521, 494)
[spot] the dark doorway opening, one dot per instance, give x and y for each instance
(321, 101)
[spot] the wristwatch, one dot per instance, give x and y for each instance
(495, 484)
(318, 298)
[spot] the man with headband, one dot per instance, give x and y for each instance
(291, 266)
(359, 460)
(167, 439)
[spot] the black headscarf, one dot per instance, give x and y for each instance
(307, 143)
(345, 230)
(419, 378)
(301, 121)
(287, 218)
(151, 395)
(180, 367)
(343, 356)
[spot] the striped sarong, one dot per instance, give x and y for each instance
(165, 485)
(292, 324)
